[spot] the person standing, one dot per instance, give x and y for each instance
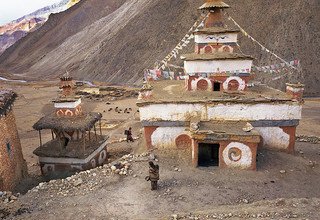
(153, 175)
(129, 135)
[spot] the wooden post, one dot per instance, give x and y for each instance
(89, 136)
(100, 127)
(84, 141)
(95, 131)
(59, 139)
(40, 138)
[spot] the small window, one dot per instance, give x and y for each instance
(9, 150)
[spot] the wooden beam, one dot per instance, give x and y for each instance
(95, 131)
(40, 138)
(100, 127)
(84, 141)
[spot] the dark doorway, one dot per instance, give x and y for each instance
(208, 155)
(216, 86)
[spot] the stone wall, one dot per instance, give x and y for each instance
(13, 167)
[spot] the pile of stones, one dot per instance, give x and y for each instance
(121, 168)
(8, 197)
(310, 139)
(89, 180)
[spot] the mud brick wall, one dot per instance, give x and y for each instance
(13, 167)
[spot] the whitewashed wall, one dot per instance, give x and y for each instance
(217, 38)
(183, 112)
(254, 112)
(164, 137)
(274, 137)
(67, 104)
(172, 112)
(203, 66)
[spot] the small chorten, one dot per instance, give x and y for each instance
(67, 103)
(67, 85)
(76, 144)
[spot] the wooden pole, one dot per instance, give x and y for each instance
(95, 131)
(40, 138)
(89, 136)
(100, 127)
(84, 141)
(59, 139)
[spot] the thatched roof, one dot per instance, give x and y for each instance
(53, 148)
(216, 30)
(216, 56)
(81, 123)
(7, 98)
(210, 4)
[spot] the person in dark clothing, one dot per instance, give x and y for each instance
(129, 135)
(153, 175)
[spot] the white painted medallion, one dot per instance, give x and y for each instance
(237, 155)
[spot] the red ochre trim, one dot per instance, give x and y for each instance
(291, 131)
(148, 131)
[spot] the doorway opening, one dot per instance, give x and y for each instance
(216, 86)
(208, 155)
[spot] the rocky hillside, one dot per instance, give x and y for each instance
(115, 40)
(12, 32)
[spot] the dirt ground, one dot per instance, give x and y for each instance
(193, 193)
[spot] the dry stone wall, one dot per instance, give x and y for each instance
(13, 167)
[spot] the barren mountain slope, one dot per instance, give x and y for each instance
(127, 39)
(13, 31)
(291, 29)
(32, 48)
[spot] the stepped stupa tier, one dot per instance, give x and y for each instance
(214, 62)
(216, 117)
(215, 39)
(215, 9)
